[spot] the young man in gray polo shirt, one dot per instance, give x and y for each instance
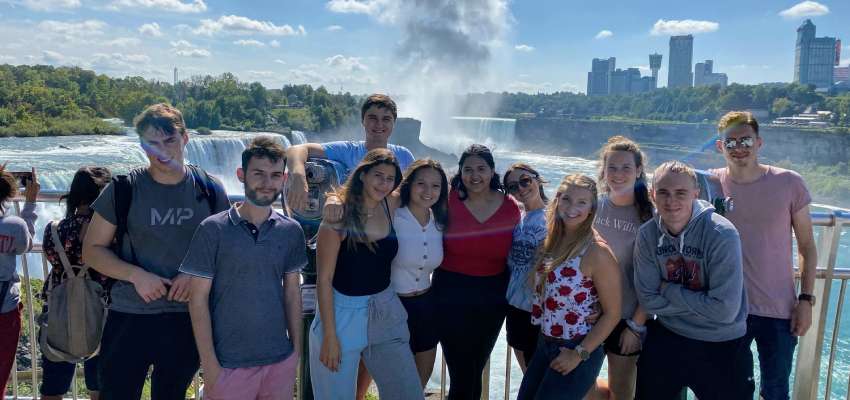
(245, 297)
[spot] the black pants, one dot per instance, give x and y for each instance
(132, 343)
(471, 310)
(712, 370)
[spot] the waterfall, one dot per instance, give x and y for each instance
(460, 132)
(298, 137)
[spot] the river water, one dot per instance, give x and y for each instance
(56, 159)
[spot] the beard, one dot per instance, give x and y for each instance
(251, 196)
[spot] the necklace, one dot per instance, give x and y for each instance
(371, 211)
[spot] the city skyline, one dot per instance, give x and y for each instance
(371, 45)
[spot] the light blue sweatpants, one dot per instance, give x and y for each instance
(374, 328)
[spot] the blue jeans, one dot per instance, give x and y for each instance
(775, 345)
(543, 383)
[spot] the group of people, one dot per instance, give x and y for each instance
(643, 273)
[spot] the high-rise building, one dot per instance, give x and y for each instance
(679, 72)
(814, 57)
(175, 76)
(704, 75)
(626, 81)
(654, 66)
(841, 74)
(599, 77)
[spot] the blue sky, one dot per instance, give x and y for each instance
(404, 46)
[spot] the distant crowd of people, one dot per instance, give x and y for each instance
(642, 273)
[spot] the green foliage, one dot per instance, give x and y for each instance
(699, 104)
(827, 182)
(44, 100)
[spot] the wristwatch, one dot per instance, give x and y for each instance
(807, 297)
(582, 352)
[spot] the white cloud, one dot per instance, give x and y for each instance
(151, 29)
(805, 9)
(194, 53)
(569, 87)
(250, 43)
(261, 74)
(279, 61)
(304, 74)
(196, 6)
(86, 28)
(604, 34)
(121, 57)
(350, 64)
(333, 28)
(238, 25)
(369, 7)
(7, 58)
(274, 43)
(51, 5)
(682, 27)
(52, 57)
(524, 48)
(185, 49)
(123, 42)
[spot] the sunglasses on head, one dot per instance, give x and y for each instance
(513, 187)
(745, 142)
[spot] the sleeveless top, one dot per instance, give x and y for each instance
(420, 251)
(362, 272)
(567, 301)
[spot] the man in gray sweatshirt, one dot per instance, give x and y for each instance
(688, 272)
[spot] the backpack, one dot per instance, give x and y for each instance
(76, 314)
(123, 185)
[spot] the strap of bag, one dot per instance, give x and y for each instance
(4, 290)
(206, 185)
(60, 249)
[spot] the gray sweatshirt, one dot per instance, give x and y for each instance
(705, 298)
(16, 235)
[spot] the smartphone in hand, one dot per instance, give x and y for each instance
(23, 177)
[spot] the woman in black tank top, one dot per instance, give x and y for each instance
(359, 315)
(361, 271)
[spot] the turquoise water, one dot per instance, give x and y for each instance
(57, 159)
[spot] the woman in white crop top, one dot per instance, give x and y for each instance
(418, 224)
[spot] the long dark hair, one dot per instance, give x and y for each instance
(440, 208)
(527, 168)
(8, 187)
(482, 151)
(620, 143)
(85, 187)
(351, 194)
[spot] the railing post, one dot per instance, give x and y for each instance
(30, 315)
(809, 350)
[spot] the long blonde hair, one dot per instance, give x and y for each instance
(559, 246)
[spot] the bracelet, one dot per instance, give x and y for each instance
(634, 327)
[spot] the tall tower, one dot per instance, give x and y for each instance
(175, 76)
(654, 66)
(680, 70)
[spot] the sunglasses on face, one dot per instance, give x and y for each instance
(745, 142)
(513, 187)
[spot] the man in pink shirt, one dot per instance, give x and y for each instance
(769, 203)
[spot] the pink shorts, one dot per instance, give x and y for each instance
(269, 382)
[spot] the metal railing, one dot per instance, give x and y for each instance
(807, 375)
